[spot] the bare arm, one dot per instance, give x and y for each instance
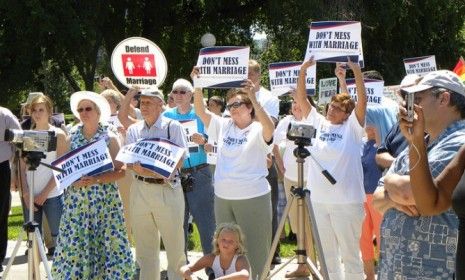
(260, 114)
(382, 202)
(432, 196)
(384, 159)
(123, 113)
(301, 91)
(361, 105)
(188, 269)
(340, 73)
(199, 106)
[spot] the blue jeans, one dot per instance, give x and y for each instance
(199, 202)
(52, 208)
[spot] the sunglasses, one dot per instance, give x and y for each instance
(235, 105)
(87, 109)
(179, 92)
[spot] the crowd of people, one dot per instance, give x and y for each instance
(397, 199)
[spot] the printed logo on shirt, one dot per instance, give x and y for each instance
(330, 137)
(229, 141)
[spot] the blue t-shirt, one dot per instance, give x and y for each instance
(394, 143)
(197, 155)
(371, 171)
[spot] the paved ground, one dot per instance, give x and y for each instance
(19, 269)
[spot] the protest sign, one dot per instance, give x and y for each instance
(156, 154)
(420, 65)
(334, 41)
(190, 127)
(374, 91)
(91, 159)
(327, 88)
(213, 155)
(284, 75)
(222, 67)
(137, 61)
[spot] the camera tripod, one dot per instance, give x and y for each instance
(303, 199)
(34, 239)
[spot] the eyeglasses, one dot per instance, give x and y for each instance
(235, 105)
(87, 109)
(336, 108)
(179, 92)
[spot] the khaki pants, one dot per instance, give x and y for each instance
(124, 188)
(293, 219)
(157, 210)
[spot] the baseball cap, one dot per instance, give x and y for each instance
(443, 78)
(153, 93)
(410, 80)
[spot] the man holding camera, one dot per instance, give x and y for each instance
(7, 121)
(198, 187)
(156, 203)
(414, 245)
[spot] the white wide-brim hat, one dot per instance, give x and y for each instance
(99, 100)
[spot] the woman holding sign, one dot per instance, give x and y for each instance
(337, 146)
(48, 197)
(242, 193)
(93, 243)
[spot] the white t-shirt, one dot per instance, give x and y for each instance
(337, 149)
(43, 174)
(269, 102)
(241, 164)
(289, 160)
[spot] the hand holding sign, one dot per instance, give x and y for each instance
(340, 71)
(86, 181)
(145, 172)
(307, 64)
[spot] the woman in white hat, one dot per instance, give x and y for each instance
(93, 242)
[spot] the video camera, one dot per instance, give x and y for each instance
(32, 140)
(301, 133)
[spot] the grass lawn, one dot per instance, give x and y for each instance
(15, 224)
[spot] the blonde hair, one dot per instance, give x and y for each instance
(115, 96)
(234, 228)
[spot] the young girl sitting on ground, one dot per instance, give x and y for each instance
(228, 259)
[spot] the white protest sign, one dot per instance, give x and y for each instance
(327, 88)
(190, 127)
(374, 91)
(156, 154)
(91, 159)
(420, 65)
(222, 67)
(213, 155)
(284, 75)
(334, 41)
(137, 61)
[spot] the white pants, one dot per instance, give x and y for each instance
(340, 228)
(157, 210)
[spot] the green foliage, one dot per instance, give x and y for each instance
(57, 46)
